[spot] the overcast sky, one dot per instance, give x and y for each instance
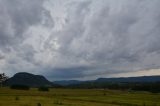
(80, 39)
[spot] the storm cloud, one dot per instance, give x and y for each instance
(80, 39)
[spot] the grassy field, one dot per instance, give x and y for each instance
(77, 97)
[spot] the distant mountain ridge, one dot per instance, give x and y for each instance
(130, 79)
(28, 79)
(32, 80)
(120, 79)
(67, 82)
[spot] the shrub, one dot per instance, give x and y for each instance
(58, 102)
(43, 88)
(20, 87)
(16, 98)
(38, 104)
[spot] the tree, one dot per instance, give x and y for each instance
(3, 78)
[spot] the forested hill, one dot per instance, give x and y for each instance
(28, 79)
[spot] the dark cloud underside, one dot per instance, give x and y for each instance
(79, 38)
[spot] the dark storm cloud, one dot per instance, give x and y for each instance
(122, 35)
(68, 73)
(16, 17)
(1, 57)
(89, 38)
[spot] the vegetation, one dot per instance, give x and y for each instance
(28, 79)
(153, 87)
(91, 93)
(43, 88)
(77, 97)
(3, 78)
(20, 87)
(16, 98)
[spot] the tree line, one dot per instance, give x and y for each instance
(153, 87)
(3, 78)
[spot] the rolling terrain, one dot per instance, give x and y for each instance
(100, 92)
(77, 97)
(141, 79)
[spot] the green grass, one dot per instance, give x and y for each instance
(77, 97)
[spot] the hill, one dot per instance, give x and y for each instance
(67, 82)
(28, 79)
(141, 79)
(144, 83)
(130, 79)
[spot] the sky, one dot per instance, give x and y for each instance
(80, 39)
